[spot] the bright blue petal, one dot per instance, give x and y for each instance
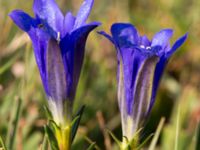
(22, 20)
(124, 34)
(83, 13)
(73, 49)
(49, 11)
(55, 72)
(40, 41)
(144, 41)
(176, 45)
(107, 36)
(39, 37)
(162, 38)
(156, 80)
(68, 23)
(136, 71)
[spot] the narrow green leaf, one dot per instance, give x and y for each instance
(52, 124)
(15, 125)
(177, 129)
(91, 142)
(135, 138)
(92, 146)
(45, 143)
(115, 138)
(51, 137)
(2, 144)
(8, 64)
(144, 142)
(198, 138)
(76, 122)
(157, 134)
(48, 113)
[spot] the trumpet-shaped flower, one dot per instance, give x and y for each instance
(59, 42)
(141, 63)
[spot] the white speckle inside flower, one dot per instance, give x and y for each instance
(58, 37)
(142, 46)
(148, 47)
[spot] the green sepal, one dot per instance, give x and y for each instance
(144, 142)
(51, 137)
(92, 146)
(53, 125)
(119, 143)
(48, 113)
(126, 144)
(134, 141)
(76, 122)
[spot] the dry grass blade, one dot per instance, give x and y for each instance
(156, 136)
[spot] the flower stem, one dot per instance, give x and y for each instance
(63, 136)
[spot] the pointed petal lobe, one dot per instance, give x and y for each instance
(124, 34)
(144, 41)
(162, 38)
(83, 13)
(74, 52)
(22, 20)
(49, 11)
(176, 45)
(68, 22)
(106, 36)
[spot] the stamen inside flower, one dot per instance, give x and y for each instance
(147, 48)
(58, 37)
(142, 46)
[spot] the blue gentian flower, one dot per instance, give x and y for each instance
(141, 63)
(59, 42)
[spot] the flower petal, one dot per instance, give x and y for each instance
(142, 93)
(134, 92)
(83, 13)
(176, 45)
(156, 80)
(48, 10)
(68, 23)
(144, 41)
(124, 34)
(106, 36)
(73, 48)
(55, 72)
(162, 38)
(22, 20)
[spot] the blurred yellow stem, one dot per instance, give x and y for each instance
(63, 136)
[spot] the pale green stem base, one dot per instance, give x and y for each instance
(129, 144)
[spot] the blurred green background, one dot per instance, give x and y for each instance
(178, 97)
